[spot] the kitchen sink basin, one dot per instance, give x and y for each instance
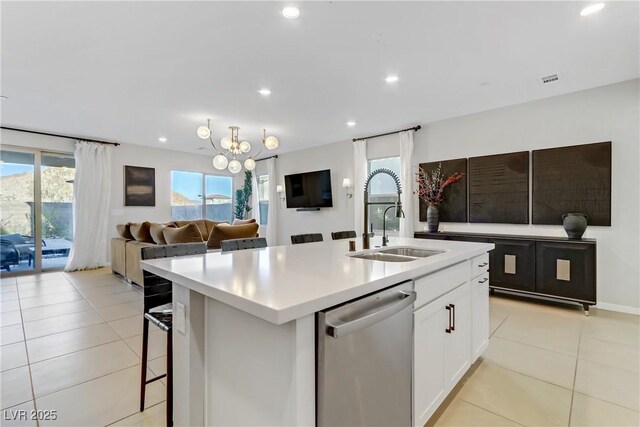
(377, 256)
(397, 254)
(412, 252)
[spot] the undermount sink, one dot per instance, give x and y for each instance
(377, 256)
(412, 252)
(397, 254)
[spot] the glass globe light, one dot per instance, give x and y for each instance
(271, 142)
(249, 164)
(203, 132)
(220, 162)
(235, 166)
(245, 146)
(226, 142)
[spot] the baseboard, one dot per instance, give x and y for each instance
(619, 308)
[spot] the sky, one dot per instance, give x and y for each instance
(12, 169)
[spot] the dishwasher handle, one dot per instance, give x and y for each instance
(337, 331)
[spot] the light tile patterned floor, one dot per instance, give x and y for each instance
(71, 343)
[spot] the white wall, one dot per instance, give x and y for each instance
(164, 161)
(608, 113)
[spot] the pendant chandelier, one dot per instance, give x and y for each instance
(233, 150)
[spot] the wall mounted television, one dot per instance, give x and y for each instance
(309, 190)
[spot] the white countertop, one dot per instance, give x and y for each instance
(284, 283)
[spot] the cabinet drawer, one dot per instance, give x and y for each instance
(479, 265)
(439, 283)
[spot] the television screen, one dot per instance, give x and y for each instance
(309, 190)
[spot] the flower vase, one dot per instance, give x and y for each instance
(574, 225)
(433, 219)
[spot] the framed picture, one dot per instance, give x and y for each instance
(139, 186)
(499, 188)
(454, 207)
(572, 179)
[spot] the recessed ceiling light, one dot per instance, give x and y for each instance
(290, 12)
(391, 79)
(351, 124)
(591, 9)
(162, 139)
(264, 92)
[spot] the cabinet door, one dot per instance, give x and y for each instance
(479, 315)
(457, 350)
(567, 270)
(430, 323)
(513, 265)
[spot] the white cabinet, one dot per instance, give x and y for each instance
(479, 315)
(441, 350)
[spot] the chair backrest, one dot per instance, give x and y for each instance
(240, 244)
(348, 234)
(306, 238)
(157, 290)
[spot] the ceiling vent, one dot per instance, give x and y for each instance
(550, 78)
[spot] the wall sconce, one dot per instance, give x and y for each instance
(346, 184)
(280, 191)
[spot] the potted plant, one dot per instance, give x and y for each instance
(431, 186)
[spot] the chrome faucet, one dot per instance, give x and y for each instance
(385, 238)
(366, 236)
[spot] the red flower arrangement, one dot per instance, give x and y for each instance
(431, 186)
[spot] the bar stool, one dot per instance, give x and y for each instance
(306, 238)
(157, 293)
(240, 244)
(338, 235)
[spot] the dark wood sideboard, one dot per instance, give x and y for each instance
(554, 267)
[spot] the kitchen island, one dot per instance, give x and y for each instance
(245, 324)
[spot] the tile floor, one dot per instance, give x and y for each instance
(71, 343)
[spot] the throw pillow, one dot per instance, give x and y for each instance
(157, 233)
(141, 232)
(226, 232)
(124, 231)
(185, 234)
(199, 222)
(243, 221)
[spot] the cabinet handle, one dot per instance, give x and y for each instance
(484, 264)
(453, 309)
(483, 280)
(450, 328)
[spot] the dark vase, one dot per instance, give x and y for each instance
(574, 224)
(433, 219)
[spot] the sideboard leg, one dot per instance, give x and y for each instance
(586, 309)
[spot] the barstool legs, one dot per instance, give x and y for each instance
(143, 369)
(169, 378)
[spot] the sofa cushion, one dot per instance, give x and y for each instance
(199, 223)
(140, 232)
(225, 232)
(210, 224)
(124, 231)
(243, 221)
(157, 233)
(186, 234)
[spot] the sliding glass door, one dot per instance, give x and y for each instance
(36, 204)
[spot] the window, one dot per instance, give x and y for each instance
(382, 188)
(263, 196)
(189, 201)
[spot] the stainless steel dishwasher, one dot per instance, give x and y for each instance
(364, 360)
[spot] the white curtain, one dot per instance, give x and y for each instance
(272, 225)
(255, 198)
(359, 179)
(91, 197)
(406, 180)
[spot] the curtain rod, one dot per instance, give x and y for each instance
(415, 128)
(270, 157)
(60, 136)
